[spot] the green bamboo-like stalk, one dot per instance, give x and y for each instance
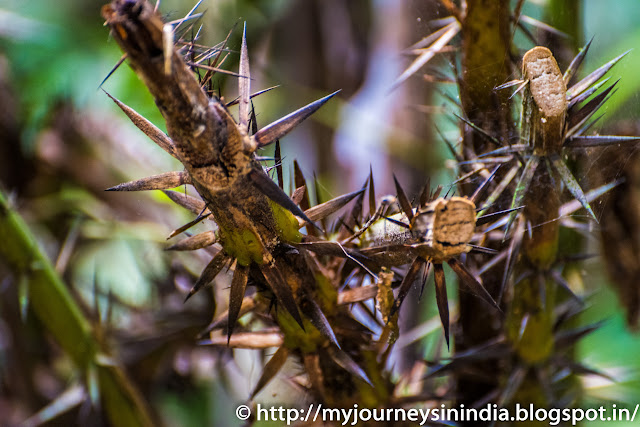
(530, 318)
(564, 15)
(54, 306)
(528, 326)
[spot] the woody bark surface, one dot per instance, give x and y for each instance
(485, 65)
(206, 138)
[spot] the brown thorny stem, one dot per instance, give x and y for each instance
(218, 156)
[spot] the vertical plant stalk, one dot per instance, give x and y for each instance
(529, 323)
(563, 15)
(486, 47)
(543, 120)
(52, 303)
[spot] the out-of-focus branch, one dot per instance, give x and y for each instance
(52, 303)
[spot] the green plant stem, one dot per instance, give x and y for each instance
(564, 15)
(530, 316)
(54, 306)
(529, 323)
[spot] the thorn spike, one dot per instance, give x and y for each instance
(372, 192)
(209, 273)
(403, 199)
(280, 128)
(441, 299)
(281, 290)
(571, 183)
(244, 83)
(409, 279)
(149, 129)
(583, 84)
(236, 295)
(471, 282)
(272, 191)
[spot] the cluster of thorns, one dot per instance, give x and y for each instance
(396, 232)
